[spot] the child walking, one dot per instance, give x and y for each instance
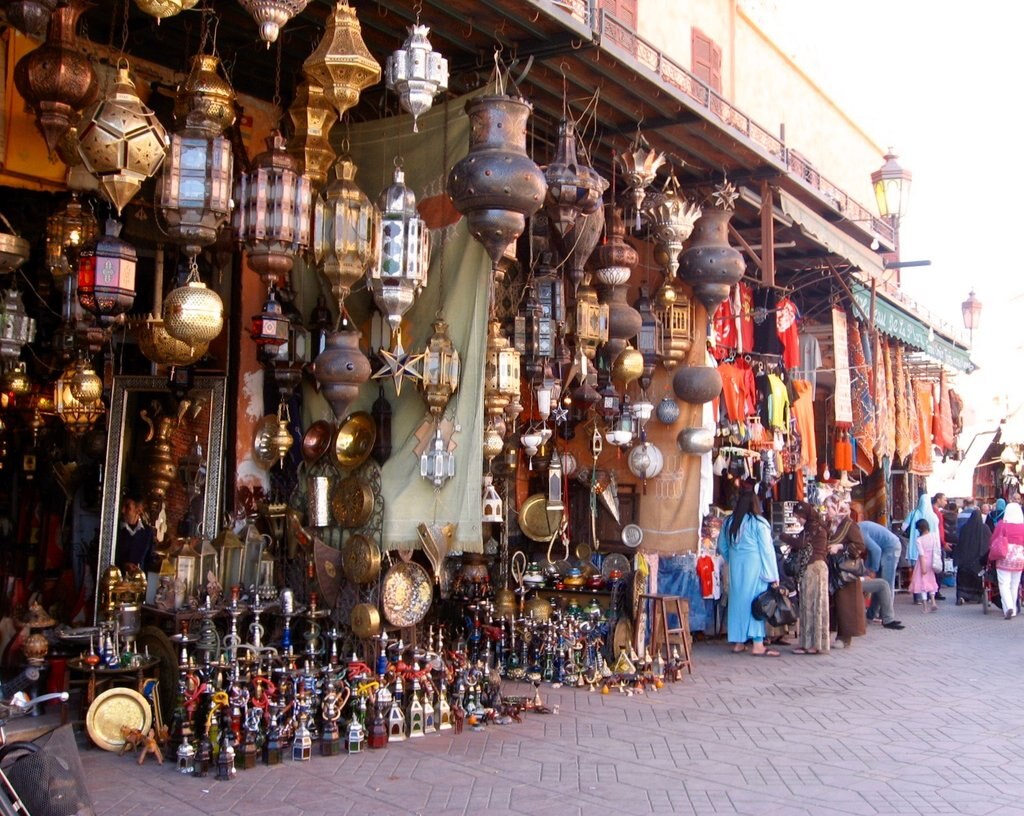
(929, 553)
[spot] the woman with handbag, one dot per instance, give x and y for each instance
(812, 543)
(1007, 550)
(847, 613)
(745, 544)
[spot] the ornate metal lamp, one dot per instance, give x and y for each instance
(67, 231)
(417, 73)
(193, 313)
(14, 250)
(78, 418)
(437, 463)
(288, 360)
(346, 232)
(312, 117)
(341, 63)
(591, 320)
(639, 167)
(491, 507)
(270, 327)
(30, 17)
(674, 318)
(647, 338)
(501, 372)
(162, 9)
(121, 142)
(672, 218)
(528, 338)
(270, 15)
(16, 328)
(404, 254)
(273, 214)
(615, 259)
(441, 368)
(106, 275)
(574, 189)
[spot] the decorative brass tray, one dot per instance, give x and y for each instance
(407, 594)
(113, 709)
(360, 559)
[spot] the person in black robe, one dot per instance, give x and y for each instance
(970, 554)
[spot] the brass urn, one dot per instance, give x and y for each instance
(57, 80)
(341, 368)
(205, 101)
(157, 465)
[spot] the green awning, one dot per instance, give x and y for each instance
(897, 322)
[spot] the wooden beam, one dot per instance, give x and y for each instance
(735, 233)
(767, 235)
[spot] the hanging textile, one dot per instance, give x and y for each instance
(883, 406)
(921, 461)
(863, 405)
(803, 413)
(888, 448)
(786, 317)
(904, 437)
(942, 422)
(810, 360)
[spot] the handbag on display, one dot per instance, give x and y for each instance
(774, 607)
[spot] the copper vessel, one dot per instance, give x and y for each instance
(497, 185)
(57, 80)
(709, 264)
(30, 16)
(340, 369)
(697, 384)
(157, 466)
(205, 101)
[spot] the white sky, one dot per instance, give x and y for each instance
(939, 82)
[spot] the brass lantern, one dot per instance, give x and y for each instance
(574, 188)
(193, 313)
(162, 9)
(312, 118)
(78, 418)
(673, 313)
(67, 231)
(106, 274)
(85, 384)
(270, 15)
(501, 371)
(404, 253)
(648, 338)
(417, 73)
(346, 232)
(14, 250)
(121, 142)
(341, 63)
(16, 328)
(591, 320)
(672, 218)
(273, 216)
(639, 167)
(441, 368)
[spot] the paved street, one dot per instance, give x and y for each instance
(927, 720)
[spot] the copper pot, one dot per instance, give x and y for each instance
(341, 368)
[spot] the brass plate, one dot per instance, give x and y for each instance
(360, 559)
(365, 619)
(113, 709)
(407, 594)
(262, 455)
(352, 502)
(316, 441)
(354, 440)
(536, 521)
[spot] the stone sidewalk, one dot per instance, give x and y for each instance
(921, 721)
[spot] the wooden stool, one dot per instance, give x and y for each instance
(659, 607)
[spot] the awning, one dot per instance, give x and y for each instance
(956, 479)
(820, 230)
(897, 322)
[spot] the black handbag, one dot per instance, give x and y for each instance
(842, 569)
(773, 606)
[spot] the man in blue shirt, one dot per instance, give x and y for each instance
(884, 550)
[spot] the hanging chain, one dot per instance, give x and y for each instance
(124, 28)
(444, 230)
(277, 75)
(417, 7)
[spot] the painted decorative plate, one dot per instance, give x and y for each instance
(113, 710)
(407, 594)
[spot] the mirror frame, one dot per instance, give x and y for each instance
(113, 478)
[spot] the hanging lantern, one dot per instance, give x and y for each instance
(437, 463)
(492, 508)
(162, 9)
(78, 418)
(159, 347)
(417, 73)
(639, 167)
(85, 385)
(346, 232)
(15, 381)
(341, 63)
(501, 371)
(710, 264)
(205, 101)
(57, 80)
(289, 359)
(270, 327)
(551, 294)
(555, 502)
(270, 15)
(273, 212)
(497, 185)
(591, 327)
(573, 187)
(627, 366)
(672, 311)
(14, 250)
(30, 17)
(672, 218)
(121, 142)
(529, 325)
(441, 369)
(647, 337)
(667, 411)
(106, 274)
(312, 118)
(17, 329)
(341, 369)
(404, 253)
(493, 444)
(614, 260)
(67, 231)
(193, 313)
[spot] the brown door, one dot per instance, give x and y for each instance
(622, 10)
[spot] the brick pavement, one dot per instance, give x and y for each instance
(872, 730)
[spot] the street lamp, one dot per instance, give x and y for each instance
(971, 309)
(892, 188)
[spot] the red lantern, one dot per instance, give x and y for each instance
(106, 275)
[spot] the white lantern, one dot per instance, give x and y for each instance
(417, 73)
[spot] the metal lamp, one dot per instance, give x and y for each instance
(891, 184)
(270, 327)
(672, 218)
(270, 15)
(404, 252)
(195, 188)
(417, 73)
(441, 369)
(971, 310)
(341, 63)
(346, 232)
(121, 141)
(106, 274)
(674, 318)
(16, 328)
(273, 212)
(312, 118)
(193, 313)
(77, 417)
(289, 359)
(501, 371)
(639, 167)
(68, 230)
(591, 320)
(437, 463)
(491, 507)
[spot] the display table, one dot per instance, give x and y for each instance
(100, 677)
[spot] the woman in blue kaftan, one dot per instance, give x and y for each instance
(745, 543)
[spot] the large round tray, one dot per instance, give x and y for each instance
(407, 594)
(114, 709)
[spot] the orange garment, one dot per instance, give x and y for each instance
(803, 411)
(842, 451)
(921, 461)
(942, 422)
(738, 389)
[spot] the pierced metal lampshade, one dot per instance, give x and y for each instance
(341, 63)
(193, 313)
(417, 73)
(271, 15)
(312, 117)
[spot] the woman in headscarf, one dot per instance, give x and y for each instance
(970, 554)
(997, 514)
(745, 544)
(1006, 548)
(924, 510)
(846, 613)
(813, 580)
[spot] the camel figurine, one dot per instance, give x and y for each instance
(133, 739)
(151, 745)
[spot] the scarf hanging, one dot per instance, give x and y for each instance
(921, 461)
(863, 406)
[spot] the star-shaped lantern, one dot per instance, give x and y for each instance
(399, 366)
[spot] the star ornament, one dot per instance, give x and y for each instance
(725, 195)
(399, 366)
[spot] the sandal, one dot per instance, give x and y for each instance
(805, 651)
(739, 647)
(767, 653)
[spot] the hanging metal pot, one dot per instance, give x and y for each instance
(709, 264)
(696, 441)
(697, 384)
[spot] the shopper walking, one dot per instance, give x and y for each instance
(813, 580)
(846, 614)
(1007, 550)
(970, 554)
(929, 552)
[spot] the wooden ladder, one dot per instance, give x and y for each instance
(664, 637)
